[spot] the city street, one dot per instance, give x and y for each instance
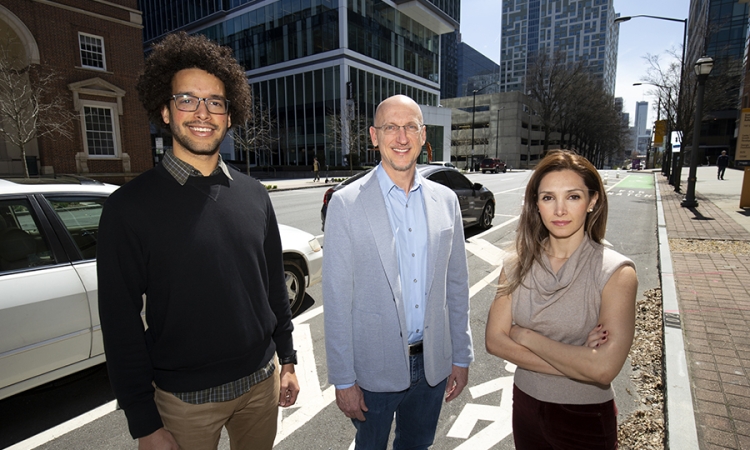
(50, 417)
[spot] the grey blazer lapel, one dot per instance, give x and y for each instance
(373, 205)
(431, 208)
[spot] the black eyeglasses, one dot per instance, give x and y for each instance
(190, 103)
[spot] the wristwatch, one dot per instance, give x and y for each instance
(292, 359)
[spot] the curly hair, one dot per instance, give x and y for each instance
(179, 51)
(531, 232)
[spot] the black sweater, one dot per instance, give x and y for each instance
(208, 257)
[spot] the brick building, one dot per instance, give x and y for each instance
(96, 49)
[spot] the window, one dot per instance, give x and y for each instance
(92, 51)
(81, 218)
(100, 131)
(21, 244)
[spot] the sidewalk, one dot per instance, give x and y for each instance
(706, 289)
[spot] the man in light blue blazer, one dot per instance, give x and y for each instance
(396, 291)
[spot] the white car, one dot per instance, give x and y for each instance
(303, 263)
(49, 316)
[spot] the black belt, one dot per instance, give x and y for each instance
(415, 349)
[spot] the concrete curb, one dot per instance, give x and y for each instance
(680, 418)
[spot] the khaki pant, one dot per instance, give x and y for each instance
(250, 419)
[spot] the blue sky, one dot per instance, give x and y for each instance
(480, 28)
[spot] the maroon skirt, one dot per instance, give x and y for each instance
(541, 425)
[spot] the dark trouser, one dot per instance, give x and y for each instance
(417, 411)
(721, 172)
(541, 425)
(317, 175)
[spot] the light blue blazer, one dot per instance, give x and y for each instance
(365, 326)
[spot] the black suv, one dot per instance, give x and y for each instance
(492, 165)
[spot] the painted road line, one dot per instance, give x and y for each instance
(311, 398)
(472, 413)
(486, 251)
(495, 228)
(66, 427)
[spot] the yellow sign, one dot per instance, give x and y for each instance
(660, 130)
(745, 194)
(743, 138)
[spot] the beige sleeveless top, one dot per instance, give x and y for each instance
(565, 307)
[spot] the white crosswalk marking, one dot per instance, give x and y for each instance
(311, 398)
(472, 413)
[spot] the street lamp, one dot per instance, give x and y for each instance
(473, 109)
(702, 69)
(675, 180)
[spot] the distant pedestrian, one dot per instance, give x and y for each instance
(561, 283)
(316, 169)
(722, 162)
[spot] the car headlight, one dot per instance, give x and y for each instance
(315, 245)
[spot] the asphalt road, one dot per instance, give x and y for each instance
(50, 417)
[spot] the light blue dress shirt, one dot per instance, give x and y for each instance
(409, 224)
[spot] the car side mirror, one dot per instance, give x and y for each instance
(476, 186)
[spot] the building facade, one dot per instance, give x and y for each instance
(719, 29)
(449, 65)
(642, 133)
(505, 125)
(476, 71)
(581, 30)
(319, 68)
(95, 50)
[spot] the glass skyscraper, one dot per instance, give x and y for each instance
(581, 30)
(316, 67)
(719, 28)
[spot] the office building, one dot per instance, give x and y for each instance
(642, 133)
(449, 65)
(718, 28)
(506, 125)
(475, 71)
(318, 68)
(577, 30)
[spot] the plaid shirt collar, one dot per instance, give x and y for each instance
(181, 170)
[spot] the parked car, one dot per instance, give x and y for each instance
(442, 163)
(49, 317)
(303, 263)
(492, 165)
(477, 202)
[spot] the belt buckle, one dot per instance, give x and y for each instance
(415, 348)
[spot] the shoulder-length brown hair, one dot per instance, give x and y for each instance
(531, 232)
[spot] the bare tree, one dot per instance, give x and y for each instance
(677, 101)
(258, 133)
(355, 134)
(574, 103)
(29, 106)
(549, 81)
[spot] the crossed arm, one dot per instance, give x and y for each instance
(599, 361)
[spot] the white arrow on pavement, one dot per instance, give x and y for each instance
(500, 416)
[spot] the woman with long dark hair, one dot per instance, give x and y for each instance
(564, 312)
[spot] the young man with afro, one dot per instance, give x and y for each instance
(198, 242)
